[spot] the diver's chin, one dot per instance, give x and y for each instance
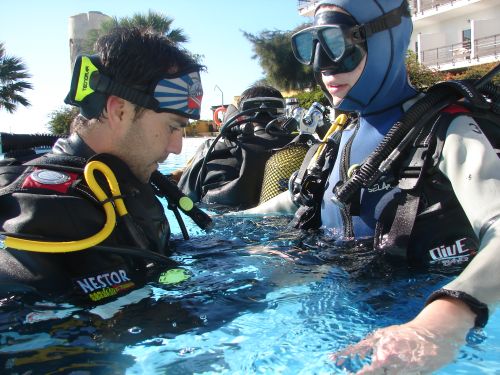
(336, 101)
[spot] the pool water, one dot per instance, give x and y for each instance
(262, 298)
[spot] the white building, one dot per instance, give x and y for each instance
(449, 34)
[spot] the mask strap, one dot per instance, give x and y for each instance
(384, 22)
(101, 83)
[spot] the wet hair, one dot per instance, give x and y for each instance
(139, 58)
(255, 91)
(259, 90)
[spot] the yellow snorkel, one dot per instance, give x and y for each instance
(338, 124)
(85, 243)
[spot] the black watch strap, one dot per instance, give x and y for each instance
(477, 307)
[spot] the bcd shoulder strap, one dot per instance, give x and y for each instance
(411, 174)
(309, 185)
(423, 159)
(13, 171)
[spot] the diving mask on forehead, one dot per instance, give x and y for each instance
(336, 42)
(180, 93)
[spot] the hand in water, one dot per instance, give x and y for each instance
(401, 349)
(421, 346)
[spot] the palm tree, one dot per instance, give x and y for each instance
(152, 20)
(13, 75)
(273, 49)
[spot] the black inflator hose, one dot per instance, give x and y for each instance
(412, 121)
(224, 130)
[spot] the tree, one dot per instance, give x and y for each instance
(273, 49)
(306, 98)
(153, 20)
(61, 119)
(13, 75)
(475, 72)
(421, 76)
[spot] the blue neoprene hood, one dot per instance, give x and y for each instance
(384, 82)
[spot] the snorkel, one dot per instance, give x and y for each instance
(383, 82)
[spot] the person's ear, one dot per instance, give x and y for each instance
(115, 109)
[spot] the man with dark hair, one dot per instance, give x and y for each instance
(232, 173)
(135, 95)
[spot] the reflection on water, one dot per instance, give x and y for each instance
(262, 298)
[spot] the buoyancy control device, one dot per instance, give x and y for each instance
(410, 147)
(19, 155)
(480, 98)
(251, 160)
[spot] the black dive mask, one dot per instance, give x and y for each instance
(337, 43)
(333, 43)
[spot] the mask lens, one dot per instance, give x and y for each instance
(273, 106)
(302, 44)
(332, 40)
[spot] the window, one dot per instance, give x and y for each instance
(466, 35)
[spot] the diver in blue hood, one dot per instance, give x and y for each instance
(382, 80)
(435, 207)
(374, 84)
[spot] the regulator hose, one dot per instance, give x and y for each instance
(109, 205)
(167, 188)
(400, 134)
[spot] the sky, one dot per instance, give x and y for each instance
(37, 32)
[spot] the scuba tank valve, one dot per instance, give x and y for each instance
(311, 119)
(293, 116)
(290, 105)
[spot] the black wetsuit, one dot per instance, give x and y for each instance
(59, 210)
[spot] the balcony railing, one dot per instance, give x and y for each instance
(487, 46)
(429, 4)
(414, 4)
(302, 4)
(460, 52)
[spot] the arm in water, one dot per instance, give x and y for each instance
(279, 205)
(434, 336)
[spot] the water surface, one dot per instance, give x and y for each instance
(262, 298)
